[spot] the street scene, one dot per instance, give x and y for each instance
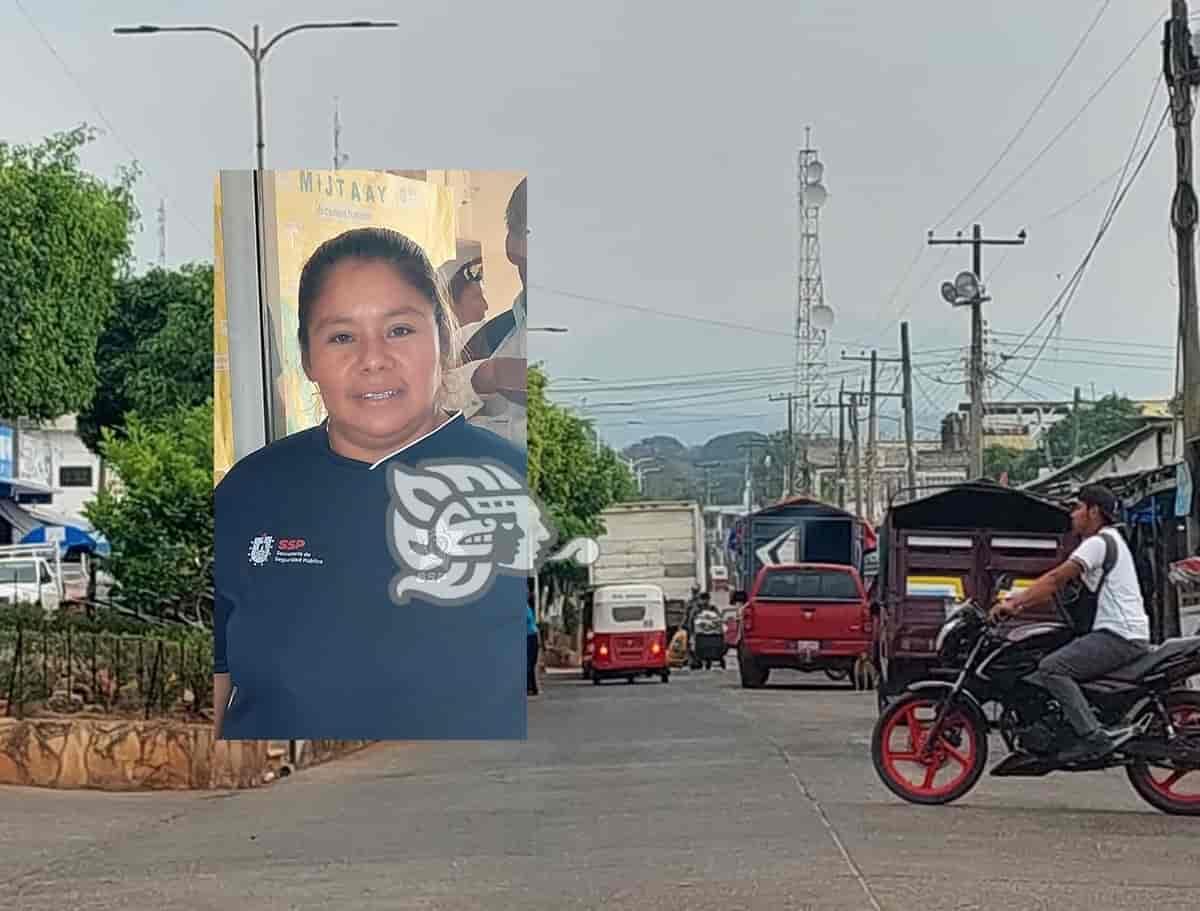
(696, 794)
(842, 444)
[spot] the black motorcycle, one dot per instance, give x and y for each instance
(930, 746)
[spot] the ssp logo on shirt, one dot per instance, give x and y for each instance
(285, 550)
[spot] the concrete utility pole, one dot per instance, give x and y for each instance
(339, 157)
(707, 468)
(841, 457)
(858, 491)
(872, 420)
(789, 468)
(1075, 427)
(872, 435)
(977, 242)
(1181, 70)
(910, 452)
(748, 492)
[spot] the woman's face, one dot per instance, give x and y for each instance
(373, 350)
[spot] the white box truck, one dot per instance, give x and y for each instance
(656, 541)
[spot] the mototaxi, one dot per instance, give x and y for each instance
(628, 635)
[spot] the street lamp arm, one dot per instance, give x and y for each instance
(152, 29)
(315, 25)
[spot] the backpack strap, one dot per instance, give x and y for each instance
(1084, 615)
(1110, 558)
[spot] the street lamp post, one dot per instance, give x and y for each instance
(257, 53)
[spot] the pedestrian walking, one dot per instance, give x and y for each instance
(531, 651)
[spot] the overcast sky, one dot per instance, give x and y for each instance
(661, 139)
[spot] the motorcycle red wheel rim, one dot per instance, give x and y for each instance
(1166, 781)
(945, 757)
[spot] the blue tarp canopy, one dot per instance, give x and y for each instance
(91, 541)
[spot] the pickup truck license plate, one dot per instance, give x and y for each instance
(807, 646)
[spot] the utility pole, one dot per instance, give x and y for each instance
(790, 467)
(841, 459)
(977, 242)
(874, 360)
(910, 452)
(1075, 427)
(1181, 70)
(339, 159)
(748, 491)
(707, 468)
(872, 433)
(858, 491)
(162, 233)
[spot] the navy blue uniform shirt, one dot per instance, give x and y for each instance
(304, 624)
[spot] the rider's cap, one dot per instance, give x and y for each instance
(1101, 497)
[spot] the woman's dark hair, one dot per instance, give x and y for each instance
(385, 246)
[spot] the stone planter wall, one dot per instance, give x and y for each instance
(132, 755)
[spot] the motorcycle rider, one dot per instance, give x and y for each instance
(1120, 633)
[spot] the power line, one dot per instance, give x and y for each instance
(1091, 363)
(911, 300)
(1152, 356)
(740, 384)
(1069, 291)
(1057, 213)
(1070, 123)
(1028, 120)
(688, 317)
(96, 108)
(1093, 341)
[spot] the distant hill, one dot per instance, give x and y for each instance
(681, 474)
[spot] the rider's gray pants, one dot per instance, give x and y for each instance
(1083, 659)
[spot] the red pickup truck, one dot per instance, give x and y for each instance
(804, 617)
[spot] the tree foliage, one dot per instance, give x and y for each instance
(160, 524)
(65, 238)
(156, 352)
(1020, 464)
(572, 481)
(1100, 424)
(567, 475)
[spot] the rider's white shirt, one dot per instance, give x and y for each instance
(1120, 609)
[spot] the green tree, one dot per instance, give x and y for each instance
(64, 240)
(156, 352)
(569, 478)
(160, 523)
(1021, 464)
(1107, 420)
(572, 481)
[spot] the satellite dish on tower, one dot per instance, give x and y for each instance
(822, 317)
(815, 171)
(815, 195)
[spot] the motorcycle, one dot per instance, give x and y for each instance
(939, 729)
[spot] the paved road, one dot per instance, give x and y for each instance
(691, 795)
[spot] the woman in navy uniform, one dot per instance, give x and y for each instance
(309, 640)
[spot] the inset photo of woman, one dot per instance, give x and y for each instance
(370, 456)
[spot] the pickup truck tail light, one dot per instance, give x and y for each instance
(748, 617)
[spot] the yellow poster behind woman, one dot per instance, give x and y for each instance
(305, 209)
(222, 400)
